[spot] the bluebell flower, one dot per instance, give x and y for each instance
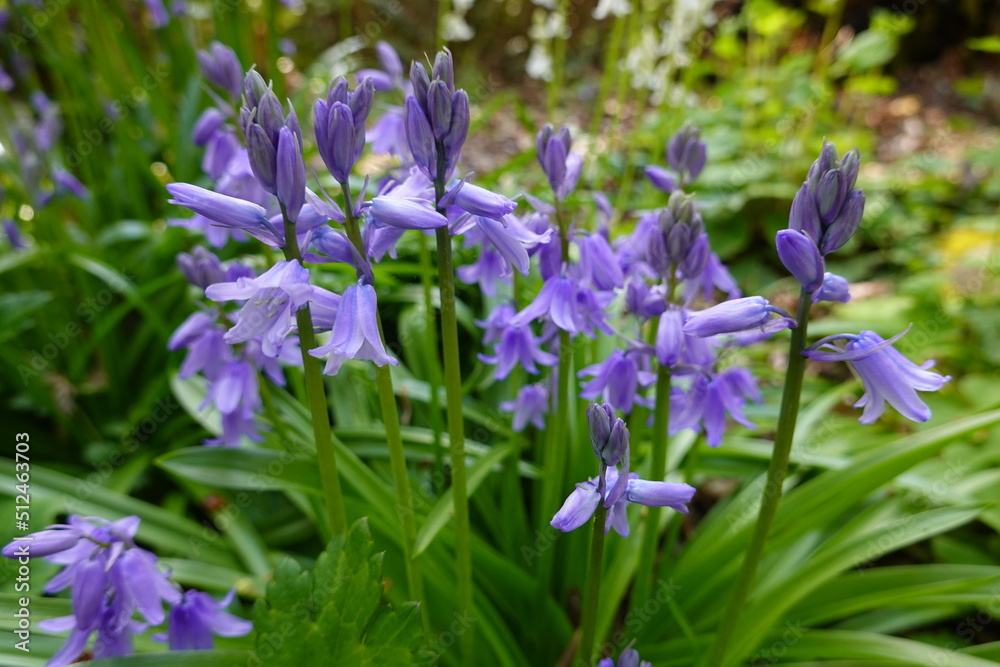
(406, 213)
(798, 252)
(391, 75)
(222, 68)
(479, 201)
(686, 152)
(271, 300)
(662, 179)
(628, 658)
(496, 322)
(489, 268)
(204, 338)
(561, 167)
(355, 333)
(827, 207)
(436, 117)
(339, 124)
(615, 487)
(224, 210)
(709, 399)
(198, 617)
(737, 315)
(570, 306)
(581, 504)
(887, 376)
(670, 336)
(834, 288)
(112, 580)
(644, 300)
(617, 379)
(530, 406)
(518, 345)
(598, 264)
(201, 267)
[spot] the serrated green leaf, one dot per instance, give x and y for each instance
(336, 614)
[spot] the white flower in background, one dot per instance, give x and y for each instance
(545, 26)
(455, 28)
(607, 8)
(539, 64)
(548, 4)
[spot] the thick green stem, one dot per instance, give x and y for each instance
(456, 421)
(776, 473)
(393, 434)
(318, 405)
(433, 367)
(554, 458)
(646, 572)
(585, 653)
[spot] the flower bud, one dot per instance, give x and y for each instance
(846, 225)
(830, 195)
(290, 182)
(661, 178)
(850, 164)
(439, 106)
(804, 217)
(608, 434)
(834, 288)
(419, 136)
(799, 254)
(420, 83)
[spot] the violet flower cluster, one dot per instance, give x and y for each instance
(615, 486)
(118, 590)
(658, 271)
(825, 215)
(269, 201)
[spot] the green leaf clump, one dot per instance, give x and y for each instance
(336, 614)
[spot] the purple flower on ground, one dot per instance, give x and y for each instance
(198, 617)
(355, 333)
(887, 376)
(530, 406)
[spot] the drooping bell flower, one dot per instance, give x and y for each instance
(355, 333)
(530, 406)
(887, 376)
(687, 153)
(518, 345)
(834, 288)
(198, 617)
(618, 379)
(570, 306)
(798, 252)
(222, 68)
(271, 300)
(615, 488)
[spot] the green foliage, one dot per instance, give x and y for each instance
(336, 614)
